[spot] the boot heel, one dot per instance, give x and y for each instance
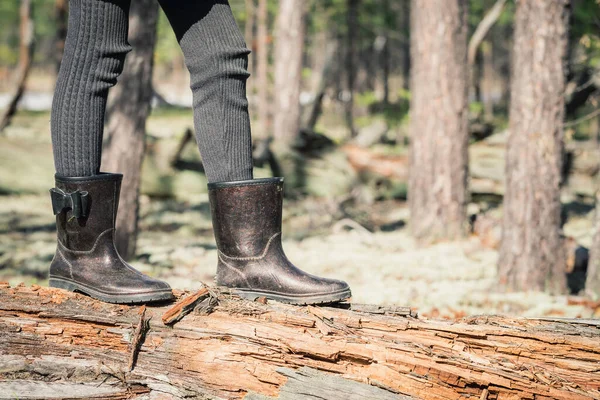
(60, 284)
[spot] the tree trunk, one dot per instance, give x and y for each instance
(592, 283)
(61, 17)
(78, 347)
(249, 37)
(487, 80)
(405, 43)
(483, 28)
(127, 114)
(530, 256)
(353, 26)
(262, 68)
(26, 45)
(438, 119)
(323, 80)
(289, 49)
(476, 40)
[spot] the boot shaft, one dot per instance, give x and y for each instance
(85, 208)
(246, 215)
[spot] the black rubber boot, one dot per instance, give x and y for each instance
(86, 259)
(247, 224)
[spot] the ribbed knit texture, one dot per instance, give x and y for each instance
(94, 54)
(215, 54)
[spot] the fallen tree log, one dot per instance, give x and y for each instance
(486, 166)
(55, 344)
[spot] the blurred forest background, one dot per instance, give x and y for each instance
(442, 154)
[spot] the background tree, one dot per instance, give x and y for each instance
(352, 29)
(127, 114)
(289, 46)
(61, 16)
(26, 44)
(592, 283)
(262, 66)
(438, 119)
(530, 253)
(250, 17)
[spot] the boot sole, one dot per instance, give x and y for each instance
(149, 297)
(301, 300)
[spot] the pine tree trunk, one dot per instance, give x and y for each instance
(530, 255)
(592, 284)
(289, 49)
(129, 109)
(262, 67)
(438, 115)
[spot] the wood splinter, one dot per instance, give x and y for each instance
(138, 338)
(184, 307)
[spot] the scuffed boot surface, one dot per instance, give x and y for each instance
(86, 258)
(247, 224)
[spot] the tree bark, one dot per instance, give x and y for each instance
(26, 46)
(289, 49)
(438, 119)
(55, 340)
(127, 114)
(530, 256)
(353, 27)
(262, 68)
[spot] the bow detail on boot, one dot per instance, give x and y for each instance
(86, 259)
(77, 201)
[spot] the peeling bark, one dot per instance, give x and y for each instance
(52, 337)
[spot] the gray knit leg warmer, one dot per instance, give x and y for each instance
(94, 55)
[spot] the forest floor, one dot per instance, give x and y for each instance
(367, 245)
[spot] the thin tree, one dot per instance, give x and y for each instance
(592, 283)
(438, 119)
(127, 114)
(404, 24)
(60, 17)
(352, 26)
(262, 67)
(476, 42)
(531, 255)
(249, 37)
(26, 46)
(483, 29)
(289, 48)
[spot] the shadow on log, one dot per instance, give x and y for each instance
(55, 344)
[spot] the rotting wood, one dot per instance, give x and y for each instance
(184, 307)
(52, 336)
(138, 338)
